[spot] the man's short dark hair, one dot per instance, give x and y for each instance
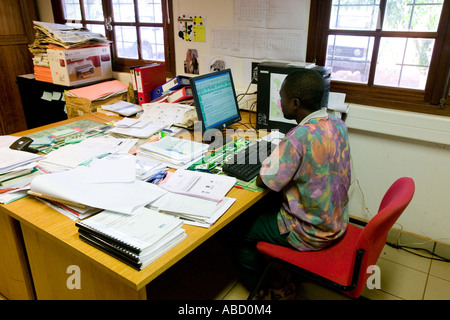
(306, 85)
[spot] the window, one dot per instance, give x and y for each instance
(141, 30)
(388, 53)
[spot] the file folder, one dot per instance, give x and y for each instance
(172, 85)
(149, 78)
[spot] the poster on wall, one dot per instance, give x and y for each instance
(191, 63)
(191, 28)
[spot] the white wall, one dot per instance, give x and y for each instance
(388, 144)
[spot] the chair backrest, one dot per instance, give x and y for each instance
(373, 237)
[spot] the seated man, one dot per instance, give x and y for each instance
(310, 174)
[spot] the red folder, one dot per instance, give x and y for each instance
(180, 95)
(148, 78)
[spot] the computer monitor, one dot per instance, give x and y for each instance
(270, 78)
(215, 102)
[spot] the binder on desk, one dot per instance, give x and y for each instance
(180, 95)
(137, 239)
(172, 85)
(149, 78)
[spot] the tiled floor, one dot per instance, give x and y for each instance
(207, 273)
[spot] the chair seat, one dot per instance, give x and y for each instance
(334, 263)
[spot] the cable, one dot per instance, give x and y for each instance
(405, 248)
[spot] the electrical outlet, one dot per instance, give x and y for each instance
(254, 76)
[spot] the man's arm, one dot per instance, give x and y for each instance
(259, 182)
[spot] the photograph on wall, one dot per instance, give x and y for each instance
(191, 64)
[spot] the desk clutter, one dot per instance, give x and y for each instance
(116, 185)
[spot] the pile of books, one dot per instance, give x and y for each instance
(136, 239)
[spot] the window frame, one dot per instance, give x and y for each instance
(124, 64)
(423, 101)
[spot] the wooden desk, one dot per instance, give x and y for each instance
(52, 245)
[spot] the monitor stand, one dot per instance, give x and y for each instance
(217, 139)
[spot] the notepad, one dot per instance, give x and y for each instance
(199, 184)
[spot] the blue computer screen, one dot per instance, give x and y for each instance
(215, 99)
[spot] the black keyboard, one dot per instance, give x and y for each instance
(245, 165)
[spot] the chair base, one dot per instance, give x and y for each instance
(326, 282)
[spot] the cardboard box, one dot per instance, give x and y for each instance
(77, 66)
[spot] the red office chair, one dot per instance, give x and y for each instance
(343, 265)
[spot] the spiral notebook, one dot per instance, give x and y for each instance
(141, 237)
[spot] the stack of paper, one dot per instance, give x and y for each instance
(193, 210)
(17, 170)
(64, 36)
(199, 184)
(123, 108)
(136, 128)
(143, 168)
(10, 159)
(70, 211)
(136, 240)
(175, 152)
(99, 91)
(73, 155)
(96, 188)
(48, 34)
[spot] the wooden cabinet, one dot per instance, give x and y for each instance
(16, 32)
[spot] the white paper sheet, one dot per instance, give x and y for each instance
(74, 186)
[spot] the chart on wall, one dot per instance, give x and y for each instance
(191, 28)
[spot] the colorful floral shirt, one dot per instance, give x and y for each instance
(311, 166)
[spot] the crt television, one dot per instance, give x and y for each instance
(215, 101)
(270, 77)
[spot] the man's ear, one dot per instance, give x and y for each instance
(296, 103)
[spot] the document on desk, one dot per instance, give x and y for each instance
(74, 186)
(138, 130)
(73, 155)
(164, 113)
(199, 184)
(193, 210)
(173, 150)
(10, 159)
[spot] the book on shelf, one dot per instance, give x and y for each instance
(136, 240)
